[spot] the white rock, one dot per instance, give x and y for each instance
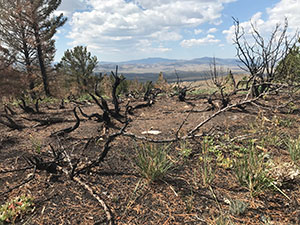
(154, 132)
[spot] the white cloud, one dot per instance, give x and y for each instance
(68, 7)
(284, 9)
(198, 31)
(209, 39)
(127, 24)
(212, 30)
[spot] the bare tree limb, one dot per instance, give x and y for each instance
(11, 123)
(32, 176)
(103, 204)
(69, 129)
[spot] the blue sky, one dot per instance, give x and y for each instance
(121, 30)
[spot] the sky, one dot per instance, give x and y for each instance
(122, 30)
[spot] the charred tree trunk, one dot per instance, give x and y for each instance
(115, 100)
(182, 94)
(28, 61)
(41, 60)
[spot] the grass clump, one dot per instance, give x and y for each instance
(237, 207)
(16, 208)
(185, 149)
(153, 161)
(205, 160)
(294, 149)
(251, 171)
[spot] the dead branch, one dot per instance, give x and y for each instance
(69, 129)
(105, 150)
(261, 57)
(37, 163)
(62, 104)
(71, 175)
(98, 117)
(104, 108)
(26, 108)
(16, 170)
(191, 134)
(48, 121)
(241, 103)
(37, 105)
(106, 111)
(11, 123)
(181, 125)
(182, 94)
(181, 91)
(143, 138)
(40, 164)
(102, 203)
(148, 91)
(32, 176)
(9, 110)
(210, 101)
(220, 82)
(130, 109)
(115, 85)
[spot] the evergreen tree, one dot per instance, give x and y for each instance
(38, 15)
(288, 68)
(78, 63)
(16, 36)
(27, 27)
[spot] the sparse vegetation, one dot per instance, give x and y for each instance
(15, 209)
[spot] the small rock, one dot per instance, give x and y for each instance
(154, 132)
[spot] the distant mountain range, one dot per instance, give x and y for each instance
(203, 60)
(149, 68)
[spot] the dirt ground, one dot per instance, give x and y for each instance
(180, 198)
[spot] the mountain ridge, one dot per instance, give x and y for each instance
(149, 68)
(160, 60)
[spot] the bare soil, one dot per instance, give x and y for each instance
(180, 198)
